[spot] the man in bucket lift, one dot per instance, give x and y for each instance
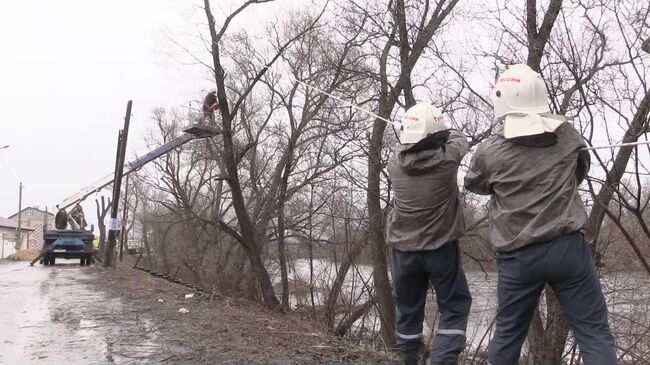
(423, 230)
(210, 104)
(532, 166)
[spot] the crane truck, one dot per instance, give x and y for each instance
(71, 239)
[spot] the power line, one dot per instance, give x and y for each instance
(4, 162)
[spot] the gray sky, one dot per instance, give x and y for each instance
(67, 69)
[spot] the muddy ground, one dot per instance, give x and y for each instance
(79, 315)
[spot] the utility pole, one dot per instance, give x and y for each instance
(124, 216)
(117, 185)
(19, 238)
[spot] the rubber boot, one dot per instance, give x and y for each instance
(410, 352)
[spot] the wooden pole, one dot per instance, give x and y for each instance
(117, 185)
(124, 216)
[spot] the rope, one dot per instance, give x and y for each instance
(395, 124)
(615, 145)
(342, 101)
(365, 111)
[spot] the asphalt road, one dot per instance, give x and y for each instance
(53, 315)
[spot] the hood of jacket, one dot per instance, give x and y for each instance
(424, 155)
(415, 163)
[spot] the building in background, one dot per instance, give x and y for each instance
(33, 217)
(8, 229)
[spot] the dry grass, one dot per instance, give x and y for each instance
(220, 329)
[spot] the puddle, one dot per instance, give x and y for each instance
(52, 315)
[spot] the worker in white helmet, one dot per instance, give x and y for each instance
(423, 230)
(532, 166)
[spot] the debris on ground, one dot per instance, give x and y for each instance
(183, 310)
(187, 296)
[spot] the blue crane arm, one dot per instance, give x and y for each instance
(195, 132)
(162, 150)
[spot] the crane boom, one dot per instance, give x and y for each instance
(194, 132)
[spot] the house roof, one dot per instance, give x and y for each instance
(32, 208)
(8, 223)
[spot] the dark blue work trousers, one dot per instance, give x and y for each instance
(412, 273)
(566, 265)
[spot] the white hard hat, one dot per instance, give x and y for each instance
(419, 121)
(519, 90)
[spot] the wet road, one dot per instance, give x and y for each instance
(52, 315)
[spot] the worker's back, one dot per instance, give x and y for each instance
(428, 209)
(534, 189)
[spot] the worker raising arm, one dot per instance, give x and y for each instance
(531, 167)
(423, 230)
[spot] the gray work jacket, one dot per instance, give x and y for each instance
(428, 210)
(534, 189)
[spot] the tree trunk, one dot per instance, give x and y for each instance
(538, 37)
(384, 292)
(101, 216)
(348, 321)
(229, 161)
(282, 254)
(263, 280)
(310, 247)
(282, 257)
(544, 349)
(162, 251)
(638, 126)
(145, 242)
(332, 299)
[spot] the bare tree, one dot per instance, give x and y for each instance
(296, 168)
(410, 35)
(101, 218)
(227, 111)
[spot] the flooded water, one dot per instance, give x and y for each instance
(52, 315)
(359, 280)
(627, 294)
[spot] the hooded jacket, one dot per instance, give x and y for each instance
(534, 187)
(428, 210)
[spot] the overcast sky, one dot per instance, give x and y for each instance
(67, 70)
